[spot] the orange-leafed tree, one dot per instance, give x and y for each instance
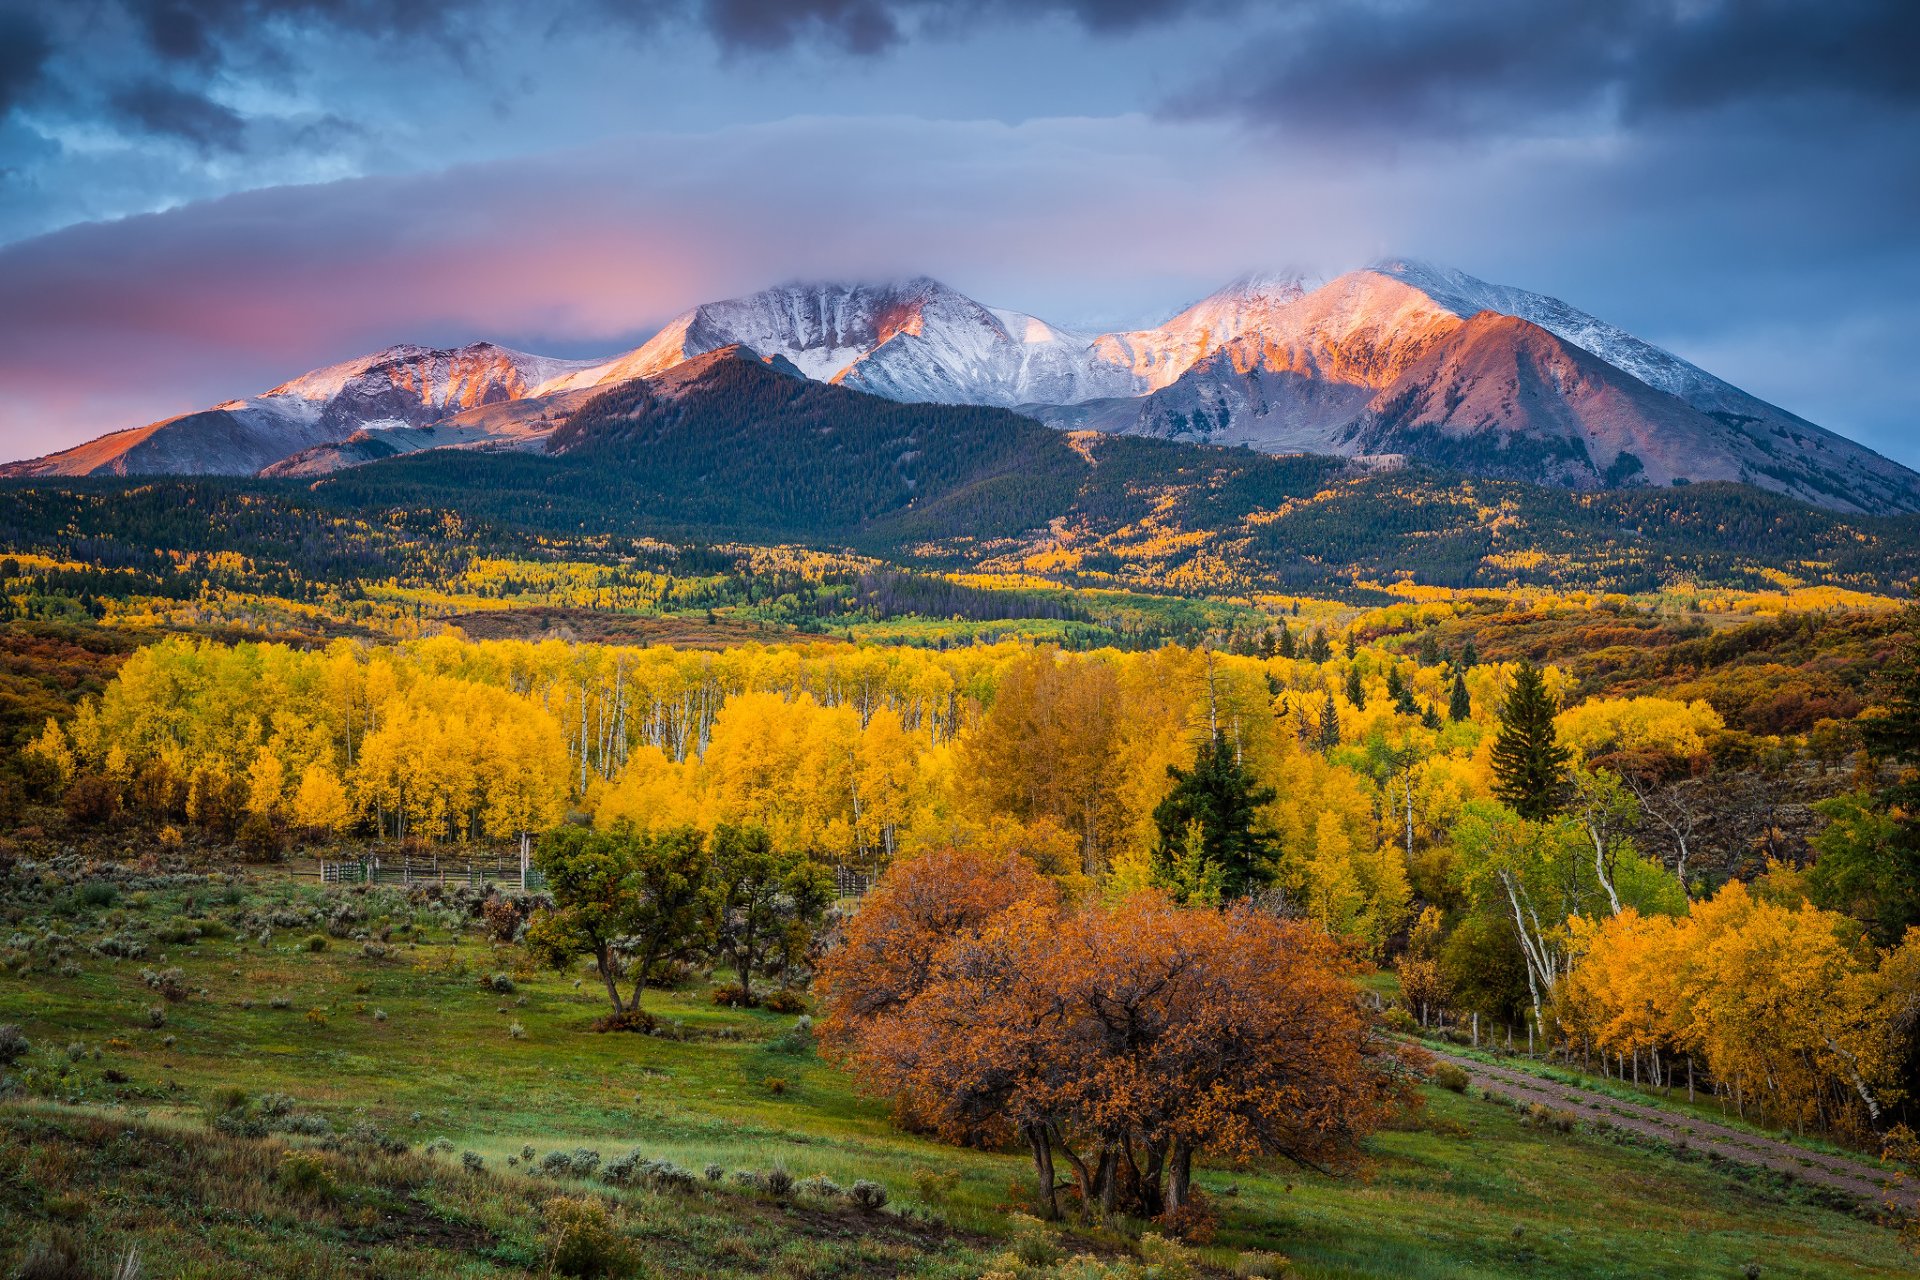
(1124, 1039)
(888, 949)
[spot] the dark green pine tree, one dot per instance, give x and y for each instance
(1459, 705)
(1429, 718)
(1529, 764)
(1286, 645)
(1429, 650)
(1469, 656)
(1211, 818)
(1318, 650)
(1401, 693)
(1356, 691)
(1329, 726)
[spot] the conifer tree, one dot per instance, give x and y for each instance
(1318, 650)
(1210, 836)
(1356, 691)
(1459, 704)
(1329, 726)
(1287, 647)
(1529, 764)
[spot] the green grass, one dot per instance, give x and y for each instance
(1464, 1191)
(1673, 1098)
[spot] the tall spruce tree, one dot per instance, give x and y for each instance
(1459, 704)
(1209, 828)
(1356, 691)
(1329, 726)
(1529, 764)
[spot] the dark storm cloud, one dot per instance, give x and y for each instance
(873, 26)
(163, 110)
(1509, 67)
(24, 49)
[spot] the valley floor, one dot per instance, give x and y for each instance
(416, 1040)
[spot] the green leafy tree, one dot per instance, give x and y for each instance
(1866, 865)
(1209, 829)
(630, 900)
(766, 902)
(1529, 764)
(1869, 853)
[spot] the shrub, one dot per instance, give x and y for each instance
(279, 1002)
(934, 1186)
(317, 1017)
(870, 1196)
(747, 1180)
(473, 1162)
(1541, 1116)
(54, 1256)
(156, 1016)
(731, 996)
(502, 984)
(303, 1174)
(581, 1239)
(316, 942)
(778, 1182)
(627, 1020)
(585, 1161)
(1169, 1259)
(786, 1000)
(373, 950)
(1262, 1266)
(822, 1187)
(170, 983)
(1449, 1077)
(795, 1042)
(715, 1172)
(379, 1015)
(517, 1032)
(14, 1044)
(775, 1085)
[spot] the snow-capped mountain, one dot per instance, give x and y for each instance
(912, 340)
(400, 387)
(1401, 357)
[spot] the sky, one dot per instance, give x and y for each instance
(200, 199)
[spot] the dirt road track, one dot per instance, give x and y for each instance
(1858, 1177)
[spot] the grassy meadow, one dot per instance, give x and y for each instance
(298, 1098)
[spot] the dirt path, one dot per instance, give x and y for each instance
(1860, 1177)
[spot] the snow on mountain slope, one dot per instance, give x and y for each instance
(401, 386)
(1399, 354)
(908, 340)
(1288, 371)
(1156, 357)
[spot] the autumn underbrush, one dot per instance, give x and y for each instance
(407, 1132)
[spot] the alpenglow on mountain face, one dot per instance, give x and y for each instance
(1400, 359)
